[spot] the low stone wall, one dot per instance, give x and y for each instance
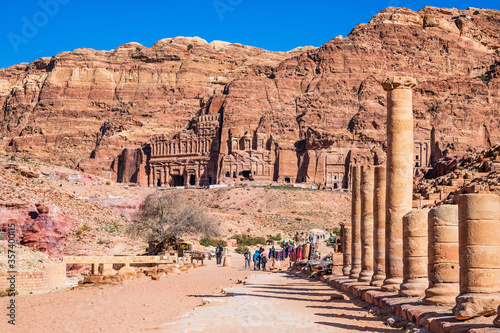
(52, 278)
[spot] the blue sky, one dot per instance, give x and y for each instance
(30, 29)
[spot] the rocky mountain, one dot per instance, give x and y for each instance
(82, 108)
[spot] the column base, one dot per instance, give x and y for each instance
(346, 271)
(377, 280)
(354, 273)
(442, 294)
(413, 287)
(391, 285)
(475, 305)
(365, 276)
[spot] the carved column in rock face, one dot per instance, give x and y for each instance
(379, 226)
(479, 255)
(415, 242)
(355, 223)
(399, 174)
(367, 180)
(443, 268)
(346, 249)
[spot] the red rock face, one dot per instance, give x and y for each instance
(322, 105)
(37, 226)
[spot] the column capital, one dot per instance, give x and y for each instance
(399, 82)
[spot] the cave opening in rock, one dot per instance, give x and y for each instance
(178, 180)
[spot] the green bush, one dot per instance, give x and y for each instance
(82, 228)
(277, 237)
(243, 240)
(241, 249)
(208, 241)
(484, 78)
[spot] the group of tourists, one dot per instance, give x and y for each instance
(259, 258)
(288, 250)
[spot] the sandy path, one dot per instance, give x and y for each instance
(278, 302)
(136, 306)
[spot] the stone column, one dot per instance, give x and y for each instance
(379, 227)
(443, 269)
(415, 242)
(479, 255)
(346, 249)
(399, 174)
(367, 180)
(355, 223)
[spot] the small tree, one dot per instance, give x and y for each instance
(166, 215)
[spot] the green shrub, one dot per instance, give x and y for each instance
(259, 210)
(484, 78)
(298, 219)
(208, 241)
(241, 249)
(336, 230)
(277, 237)
(243, 240)
(189, 47)
(82, 228)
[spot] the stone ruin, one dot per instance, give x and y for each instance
(445, 256)
(214, 150)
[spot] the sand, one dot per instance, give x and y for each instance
(135, 306)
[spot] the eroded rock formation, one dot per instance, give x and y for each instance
(308, 113)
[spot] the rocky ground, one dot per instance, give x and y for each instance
(452, 176)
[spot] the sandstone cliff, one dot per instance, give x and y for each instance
(82, 108)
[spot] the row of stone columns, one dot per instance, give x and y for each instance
(448, 255)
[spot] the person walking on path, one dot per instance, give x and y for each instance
(218, 254)
(248, 258)
(256, 260)
(263, 260)
(272, 251)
